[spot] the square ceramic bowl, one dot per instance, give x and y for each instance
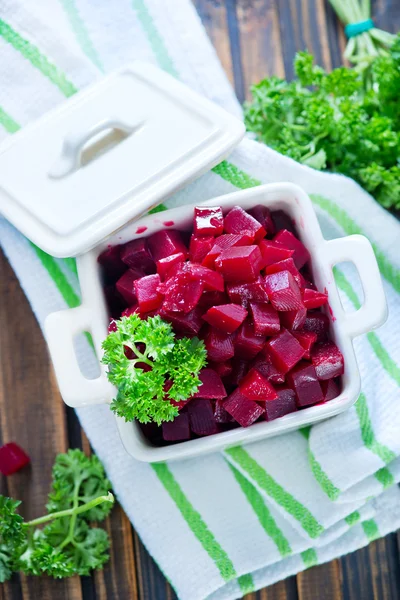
(92, 316)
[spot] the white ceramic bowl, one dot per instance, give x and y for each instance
(92, 316)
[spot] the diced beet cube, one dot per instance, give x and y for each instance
(134, 309)
(317, 323)
(285, 351)
(262, 214)
(148, 296)
(273, 252)
(282, 221)
(164, 243)
(244, 293)
(219, 345)
(226, 317)
(201, 417)
(209, 299)
(287, 265)
(284, 404)
(125, 285)
(303, 380)
(112, 326)
(313, 298)
(136, 254)
(224, 369)
(265, 319)
(114, 301)
(176, 430)
(327, 360)
(307, 339)
(12, 458)
(208, 220)
(222, 243)
(152, 432)
(211, 386)
(330, 389)
(239, 263)
(220, 414)
(199, 247)
(264, 365)
(238, 221)
(213, 282)
(247, 343)
(240, 368)
(180, 404)
(111, 262)
(283, 292)
(293, 319)
(182, 293)
(185, 324)
(256, 387)
(243, 410)
(165, 264)
(301, 254)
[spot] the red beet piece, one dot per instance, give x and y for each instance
(262, 214)
(125, 285)
(243, 410)
(112, 326)
(12, 458)
(223, 242)
(199, 247)
(284, 404)
(136, 254)
(238, 221)
(185, 324)
(164, 243)
(111, 262)
(285, 351)
(177, 430)
(313, 298)
(182, 293)
(226, 317)
(273, 252)
(307, 339)
(303, 380)
(256, 387)
(247, 343)
(208, 220)
(264, 365)
(165, 264)
(240, 263)
(330, 389)
(213, 282)
(265, 319)
(283, 292)
(287, 265)
(130, 311)
(293, 319)
(201, 417)
(219, 345)
(224, 369)
(301, 254)
(148, 296)
(209, 299)
(220, 414)
(281, 220)
(243, 293)
(327, 360)
(317, 323)
(211, 386)
(240, 368)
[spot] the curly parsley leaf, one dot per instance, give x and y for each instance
(156, 367)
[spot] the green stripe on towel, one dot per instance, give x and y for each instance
(309, 557)
(8, 122)
(368, 435)
(371, 530)
(321, 477)
(81, 34)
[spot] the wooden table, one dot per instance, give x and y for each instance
(253, 38)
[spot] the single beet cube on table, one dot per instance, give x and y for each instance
(12, 458)
(226, 317)
(239, 221)
(303, 380)
(208, 220)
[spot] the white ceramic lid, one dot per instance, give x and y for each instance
(65, 182)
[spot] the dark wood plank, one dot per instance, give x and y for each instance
(283, 590)
(32, 414)
(151, 582)
(323, 581)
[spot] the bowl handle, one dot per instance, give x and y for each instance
(60, 329)
(358, 250)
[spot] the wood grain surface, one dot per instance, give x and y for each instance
(253, 38)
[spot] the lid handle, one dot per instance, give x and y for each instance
(74, 142)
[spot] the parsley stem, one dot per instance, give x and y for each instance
(71, 511)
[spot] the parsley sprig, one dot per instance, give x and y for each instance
(150, 366)
(67, 545)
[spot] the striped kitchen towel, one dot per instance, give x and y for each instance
(245, 518)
